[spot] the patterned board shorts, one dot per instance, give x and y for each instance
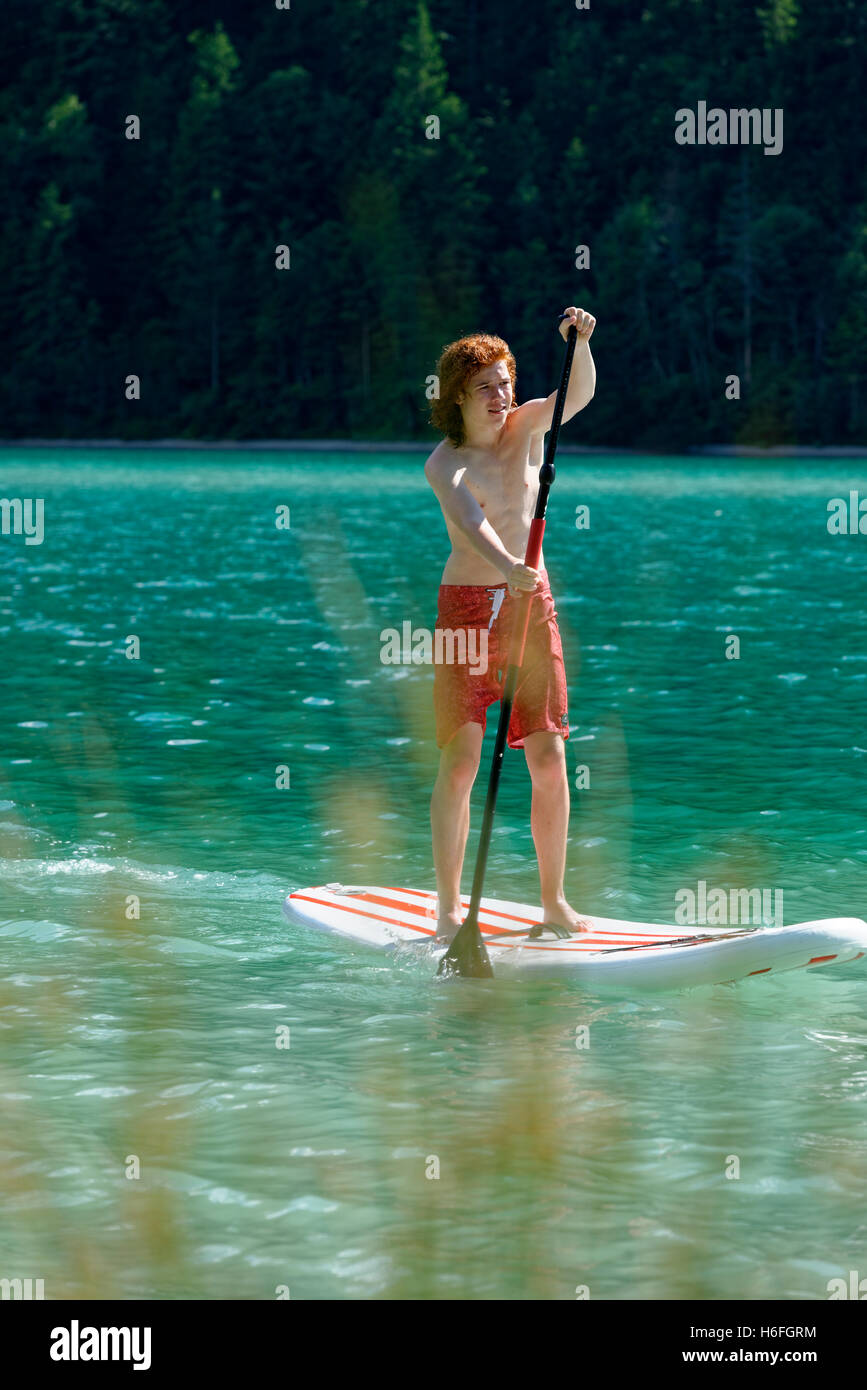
(463, 690)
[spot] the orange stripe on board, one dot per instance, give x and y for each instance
(399, 906)
(392, 902)
(509, 916)
(587, 947)
(485, 913)
(663, 935)
(815, 959)
(412, 926)
(591, 945)
(357, 912)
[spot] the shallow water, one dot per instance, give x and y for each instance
(148, 786)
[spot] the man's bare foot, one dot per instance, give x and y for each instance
(448, 926)
(563, 915)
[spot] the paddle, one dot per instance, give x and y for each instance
(467, 953)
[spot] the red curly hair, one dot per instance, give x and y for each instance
(460, 361)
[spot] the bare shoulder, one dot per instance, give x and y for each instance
(443, 463)
(533, 417)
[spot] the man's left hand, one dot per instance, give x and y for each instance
(584, 323)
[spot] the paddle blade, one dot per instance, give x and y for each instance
(467, 955)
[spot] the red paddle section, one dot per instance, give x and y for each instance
(531, 558)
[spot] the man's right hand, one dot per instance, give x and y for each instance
(522, 579)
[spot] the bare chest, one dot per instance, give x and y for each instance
(503, 484)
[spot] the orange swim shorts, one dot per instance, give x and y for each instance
(463, 690)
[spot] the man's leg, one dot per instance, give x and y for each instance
(546, 761)
(450, 820)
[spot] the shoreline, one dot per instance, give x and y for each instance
(372, 446)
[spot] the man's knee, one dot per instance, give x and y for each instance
(459, 761)
(546, 758)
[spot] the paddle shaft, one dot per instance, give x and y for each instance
(516, 657)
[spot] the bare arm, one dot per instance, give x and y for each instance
(463, 511)
(536, 416)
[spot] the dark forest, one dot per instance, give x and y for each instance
(308, 127)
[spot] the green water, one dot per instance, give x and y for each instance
(153, 782)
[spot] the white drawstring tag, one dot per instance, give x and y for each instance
(498, 596)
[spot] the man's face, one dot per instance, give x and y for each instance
(487, 399)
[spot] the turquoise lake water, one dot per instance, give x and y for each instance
(149, 786)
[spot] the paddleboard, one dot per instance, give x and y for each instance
(643, 955)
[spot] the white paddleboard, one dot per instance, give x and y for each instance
(637, 954)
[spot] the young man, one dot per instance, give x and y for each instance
(485, 474)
